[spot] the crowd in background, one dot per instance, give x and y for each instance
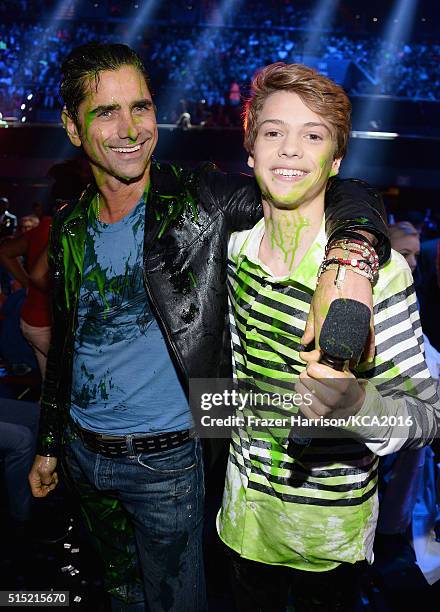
(200, 63)
(203, 62)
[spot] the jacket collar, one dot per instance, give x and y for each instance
(166, 185)
(165, 180)
(73, 238)
(81, 209)
(171, 193)
(165, 199)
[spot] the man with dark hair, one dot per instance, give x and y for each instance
(139, 309)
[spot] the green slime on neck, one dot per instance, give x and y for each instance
(285, 235)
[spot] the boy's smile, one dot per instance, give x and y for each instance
(293, 155)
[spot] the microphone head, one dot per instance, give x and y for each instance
(345, 329)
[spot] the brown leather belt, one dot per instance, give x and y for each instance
(122, 446)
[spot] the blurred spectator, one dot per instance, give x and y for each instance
(14, 350)
(38, 209)
(234, 95)
(204, 57)
(428, 288)
(184, 121)
(8, 221)
(18, 433)
(405, 239)
(8, 225)
(35, 313)
(406, 479)
(27, 223)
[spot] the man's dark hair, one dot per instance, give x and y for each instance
(84, 64)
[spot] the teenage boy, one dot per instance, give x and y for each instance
(307, 525)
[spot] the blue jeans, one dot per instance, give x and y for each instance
(145, 511)
(18, 435)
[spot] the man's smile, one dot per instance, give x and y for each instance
(127, 149)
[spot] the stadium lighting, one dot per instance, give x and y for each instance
(397, 28)
(206, 45)
(138, 20)
(321, 19)
(374, 135)
(61, 9)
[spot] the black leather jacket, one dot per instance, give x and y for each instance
(189, 216)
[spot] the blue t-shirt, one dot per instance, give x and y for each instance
(124, 381)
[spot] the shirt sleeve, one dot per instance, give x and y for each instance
(401, 407)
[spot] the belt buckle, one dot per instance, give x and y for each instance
(115, 439)
(98, 443)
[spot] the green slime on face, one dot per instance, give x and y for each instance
(294, 194)
(301, 188)
(286, 234)
(88, 120)
(100, 174)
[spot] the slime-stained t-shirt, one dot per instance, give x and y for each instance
(124, 381)
(321, 511)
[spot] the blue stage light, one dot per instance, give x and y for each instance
(205, 46)
(373, 118)
(321, 21)
(139, 18)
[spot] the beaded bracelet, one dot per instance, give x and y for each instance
(352, 244)
(345, 243)
(355, 245)
(341, 272)
(361, 264)
(353, 262)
